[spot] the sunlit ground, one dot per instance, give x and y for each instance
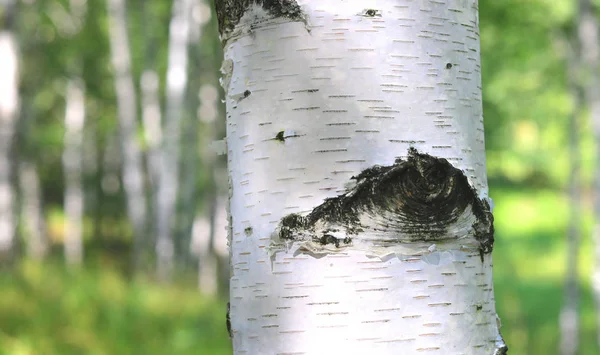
(46, 310)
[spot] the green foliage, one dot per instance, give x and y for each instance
(529, 268)
(46, 310)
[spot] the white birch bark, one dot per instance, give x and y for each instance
(317, 94)
(32, 213)
(132, 171)
(9, 103)
(72, 167)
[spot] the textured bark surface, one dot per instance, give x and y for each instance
(359, 216)
(230, 12)
(420, 199)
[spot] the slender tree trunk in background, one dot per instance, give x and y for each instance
(32, 213)
(91, 170)
(72, 166)
(569, 316)
(132, 170)
(588, 76)
(169, 172)
(32, 219)
(152, 124)
(151, 116)
(210, 244)
(9, 102)
(204, 236)
(360, 221)
(188, 201)
(190, 156)
(208, 276)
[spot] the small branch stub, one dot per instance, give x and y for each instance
(420, 199)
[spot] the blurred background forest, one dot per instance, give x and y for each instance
(112, 204)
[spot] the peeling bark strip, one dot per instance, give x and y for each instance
(420, 199)
(229, 12)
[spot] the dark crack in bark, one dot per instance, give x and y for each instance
(418, 198)
(229, 12)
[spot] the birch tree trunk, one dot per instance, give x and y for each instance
(360, 221)
(200, 13)
(73, 167)
(32, 213)
(9, 103)
(132, 171)
(569, 315)
(152, 124)
(179, 30)
(208, 276)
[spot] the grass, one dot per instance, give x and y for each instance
(529, 269)
(46, 310)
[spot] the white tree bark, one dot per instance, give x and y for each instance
(398, 260)
(179, 30)
(9, 103)
(132, 171)
(32, 213)
(73, 166)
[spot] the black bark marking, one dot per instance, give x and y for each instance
(228, 320)
(280, 137)
(448, 65)
(248, 231)
(330, 239)
(371, 13)
(501, 351)
(419, 198)
(229, 12)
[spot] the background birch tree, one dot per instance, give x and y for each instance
(588, 60)
(360, 220)
(9, 104)
(73, 167)
(132, 169)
